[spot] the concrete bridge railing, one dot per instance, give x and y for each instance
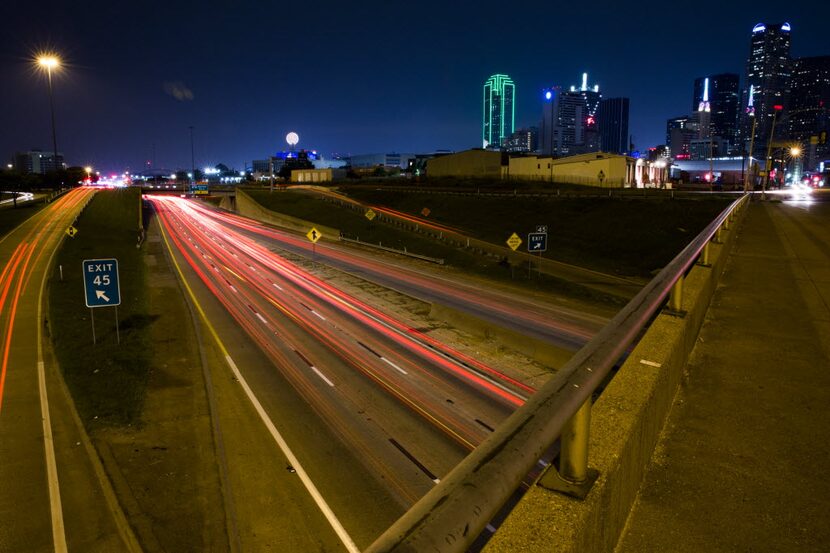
(620, 429)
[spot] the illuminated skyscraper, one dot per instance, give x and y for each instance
(569, 120)
(499, 110)
(768, 76)
(716, 98)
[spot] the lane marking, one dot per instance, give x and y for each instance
(650, 363)
(261, 318)
(321, 375)
(315, 313)
(485, 425)
(56, 511)
(368, 348)
(414, 460)
(394, 366)
(277, 286)
(332, 519)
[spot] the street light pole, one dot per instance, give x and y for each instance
(49, 62)
(192, 159)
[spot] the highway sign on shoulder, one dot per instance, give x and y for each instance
(101, 286)
(71, 231)
(370, 214)
(537, 242)
(514, 241)
(314, 235)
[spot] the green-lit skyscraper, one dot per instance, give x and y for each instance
(499, 110)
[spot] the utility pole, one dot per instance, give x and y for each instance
(192, 159)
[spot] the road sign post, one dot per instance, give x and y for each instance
(313, 235)
(513, 242)
(102, 288)
(537, 242)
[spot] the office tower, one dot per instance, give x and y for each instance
(499, 110)
(549, 130)
(569, 124)
(716, 98)
(613, 125)
(809, 118)
(680, 131)
(521, 141)
(767, 82)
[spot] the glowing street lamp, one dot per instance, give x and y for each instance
(49, 63)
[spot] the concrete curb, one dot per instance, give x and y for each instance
(626, 423)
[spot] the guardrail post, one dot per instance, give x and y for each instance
(703, 260)
(574, 477)
(675, 306)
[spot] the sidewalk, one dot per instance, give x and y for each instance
(743, 463)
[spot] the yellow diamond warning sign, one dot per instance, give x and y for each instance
(314, 235)
(370, 214)
(514, 241)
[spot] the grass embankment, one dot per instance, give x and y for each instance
(11, 217)
(617, 236)
(355, 225)
(107, 380)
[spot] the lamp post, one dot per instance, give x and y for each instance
(50, 62)
(192, 161)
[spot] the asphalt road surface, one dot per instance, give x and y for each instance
(51, 496)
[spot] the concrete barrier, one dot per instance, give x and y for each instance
(247, 206)
(626, 422)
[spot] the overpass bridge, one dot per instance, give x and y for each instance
(714, 435)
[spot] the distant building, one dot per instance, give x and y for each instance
(470, 163)
(569, 120)
(613, 125)
(317, 175)
(767, 82)
(809, 109)
(38, 162)
(680, 131)
(591, 169)
(728, 171)
(387, 161)
(704, 148)
(498, 110)
(521, 141)
(716, 98)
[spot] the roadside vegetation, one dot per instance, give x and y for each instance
(623, 236)
(107, 379)
(10, 217)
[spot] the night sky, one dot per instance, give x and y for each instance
(349, 77)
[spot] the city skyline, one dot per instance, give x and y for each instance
(121, 97)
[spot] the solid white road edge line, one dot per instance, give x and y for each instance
(312, 489)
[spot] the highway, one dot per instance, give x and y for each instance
(561, 326)
(51, 498)
(406, 406)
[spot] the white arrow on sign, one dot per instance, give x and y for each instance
(100, 294)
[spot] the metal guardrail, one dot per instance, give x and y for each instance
(450, 517)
